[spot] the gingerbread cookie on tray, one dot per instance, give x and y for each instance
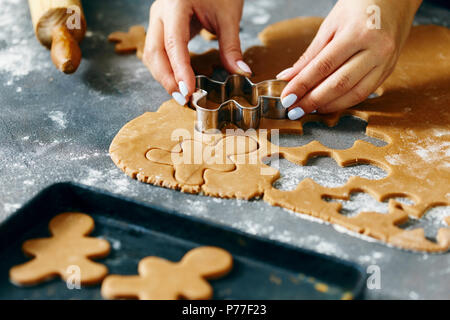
(68, 250)
(160, 279)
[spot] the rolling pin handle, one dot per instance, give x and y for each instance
(65, 51)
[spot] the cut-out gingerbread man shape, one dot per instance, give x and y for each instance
(160, 279)
(196, 157)
(133, 40)
(67, 250)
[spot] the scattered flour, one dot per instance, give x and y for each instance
(284, 236)
(93, 177)
(394, 159)
(437, 215)
(441, 132)
(113, 180)
(121, 185)
(254, 228)
(10, 207)
(414, 295)
(372, 258)
(85, 156)
(258, 12)
(197, 206)
(59, 118)
(261, 18)
(41, 148)
(313, 242)
(22, 53)
(433, 151)
(321, 246)
(28, 182)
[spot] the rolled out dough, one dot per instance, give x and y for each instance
(411, 114)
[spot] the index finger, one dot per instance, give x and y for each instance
(325, 63)
(155, 57)
(176, 38)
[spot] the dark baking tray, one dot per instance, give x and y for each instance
(263, 269)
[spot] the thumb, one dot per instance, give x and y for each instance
(230, 49)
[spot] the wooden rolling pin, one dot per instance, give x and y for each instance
(60, 26)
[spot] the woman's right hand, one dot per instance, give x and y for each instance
(173, 23)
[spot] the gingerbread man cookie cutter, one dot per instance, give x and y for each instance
(160, 279)
(264, 98)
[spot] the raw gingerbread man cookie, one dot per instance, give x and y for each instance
(67, 250)
(197, 157)
(134, 40)
(160, 279)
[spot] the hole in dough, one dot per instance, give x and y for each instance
(364, 202)
(323, 170)
(342, 136)
(431, 222)
(403, 199)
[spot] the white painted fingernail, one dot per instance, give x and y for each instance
(296, 113)
(289, 100)
(283, 73)
(243, 66)
(179, 98)
(183, 88)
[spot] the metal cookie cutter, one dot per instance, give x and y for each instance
(264, 98)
